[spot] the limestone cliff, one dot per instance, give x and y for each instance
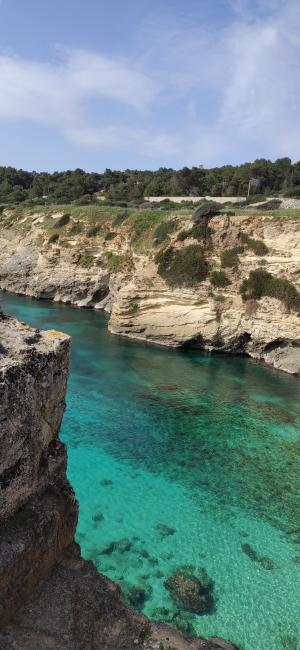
(115, 269)
(50, 598)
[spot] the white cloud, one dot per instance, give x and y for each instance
(58, 95)
(221, 91)
(143, 141)
(240, 82)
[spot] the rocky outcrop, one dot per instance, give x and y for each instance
(34, 371)
(51, 598)
(189, 319)
(51, 274)
(217, 320)
(116, 275)
(38, 512)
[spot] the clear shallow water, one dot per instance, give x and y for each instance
(209, 446)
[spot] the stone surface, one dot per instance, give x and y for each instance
(284, 358)
(30, 543)
(33, 378)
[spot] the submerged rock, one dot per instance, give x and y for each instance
(121, 546)
(161, 613)
(289, 642)
(183, 623)
(263, 560)
(136, 595)
(166, 556)
(106, 482)
(192, 592)
(223, 645)
(164, 530)
(97, 517)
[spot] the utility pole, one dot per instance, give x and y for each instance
(252, 181)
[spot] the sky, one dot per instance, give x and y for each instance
(141, 85)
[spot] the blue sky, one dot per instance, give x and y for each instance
(142, 84)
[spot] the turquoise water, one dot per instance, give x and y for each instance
(208, 446)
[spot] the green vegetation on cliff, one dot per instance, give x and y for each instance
(230, 257)
(116, 262)
(163, 231)
(53, 238)
(86, 261)
(184, 267)
(200, 231)
(256, 245)
(261, 283)
(219, 279)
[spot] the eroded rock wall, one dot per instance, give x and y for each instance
(33, 379)
(38, 511)
(117, 275)
(217, 319)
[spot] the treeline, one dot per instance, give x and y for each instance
(260, 177)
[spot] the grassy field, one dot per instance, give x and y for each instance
(91, 220)
(273, 214)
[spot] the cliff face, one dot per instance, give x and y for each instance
(38, 512)
(50, 598)
(217, 319)
(119, 273)
(34, 371)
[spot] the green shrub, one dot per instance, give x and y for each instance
(93, 231)
(183, 267)
(117, 262)
(257, 245)
(183, 234)
(230, 257)
(219, 279)
(200, 231)
(110, 235)
(163, 230)
(63, 220)
(86, 261)
(143, 221)
(53, 238)
(76, 228)
(121, 216)
(261, 283)
(205, 210)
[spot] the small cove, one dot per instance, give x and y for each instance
(208, 446)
